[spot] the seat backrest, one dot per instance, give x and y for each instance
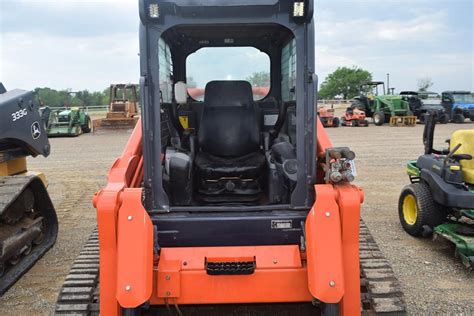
(229, 123)
(466, 139)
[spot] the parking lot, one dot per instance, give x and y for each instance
(432, 279)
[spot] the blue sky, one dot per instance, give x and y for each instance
(90, 44)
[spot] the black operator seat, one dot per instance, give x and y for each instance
(230, 161)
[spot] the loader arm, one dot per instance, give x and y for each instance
(124, 172)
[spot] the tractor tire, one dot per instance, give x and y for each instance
(379, 118)
(424, 118)
(329, 309)
(471, 118)
(335, 122)
(444, 118)
(87, 127)
(343, 121)
(358, 104)
(458, 118)
(417, 209)
(365, 123)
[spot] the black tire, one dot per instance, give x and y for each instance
(444, 118)
(424, 118)
(458, 118)
(87, 127)
(471, 118)
(358, 104)
(365, 123)
(427, 211)
(335, 122)
(379, 118)
(329, 309)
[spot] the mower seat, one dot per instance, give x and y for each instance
(466, 139)
(230, 161)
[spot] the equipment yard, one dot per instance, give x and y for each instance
(432, 279)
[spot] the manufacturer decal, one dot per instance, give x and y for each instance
(282, 224)
(35, 130)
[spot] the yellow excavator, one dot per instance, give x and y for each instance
(28, 221)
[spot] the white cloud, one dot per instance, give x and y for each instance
(370, 31)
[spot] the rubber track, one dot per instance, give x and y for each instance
(380, 290)
(11, 188)
(80, 291)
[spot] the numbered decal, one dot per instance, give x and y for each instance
(19, 114)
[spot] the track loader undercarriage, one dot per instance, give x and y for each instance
(28, 222)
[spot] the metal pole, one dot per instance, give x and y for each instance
(388, 83)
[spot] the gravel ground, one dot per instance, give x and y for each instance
(76, 169)
(434, 282)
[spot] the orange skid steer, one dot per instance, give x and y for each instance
(249, 212)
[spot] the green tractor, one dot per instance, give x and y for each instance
(383, 108)
(440, 198)
(68, 122)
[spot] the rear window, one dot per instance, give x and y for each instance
(228, 63)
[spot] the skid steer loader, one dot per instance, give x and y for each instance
(28, 223)
(249, 212)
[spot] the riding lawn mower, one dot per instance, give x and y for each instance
(440, 198)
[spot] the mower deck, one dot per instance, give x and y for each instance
(380, 289)
(64, 131)
(462, 236)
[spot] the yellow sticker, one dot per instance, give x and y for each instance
(184, 121)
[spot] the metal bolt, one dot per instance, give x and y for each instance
(328, 214)
(332, 283)
(275, 261)
(168, 293)
(168, 278)
(128, 288)
(185, 263)
(130, 217)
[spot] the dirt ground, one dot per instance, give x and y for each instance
(432, 279)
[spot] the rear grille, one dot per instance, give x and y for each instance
(230, 268)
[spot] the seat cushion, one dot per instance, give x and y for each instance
(229, 122)
(466, 139)
(210, 167)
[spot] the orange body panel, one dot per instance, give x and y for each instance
(107, 202)
(280, 276)
(323, 141)
(349, 199)
(324, 247)
(134, 264)
(281, 273)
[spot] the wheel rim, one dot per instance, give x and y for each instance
(410, 210)
(377, 118)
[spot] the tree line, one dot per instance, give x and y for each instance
(344, 82)
(65, 98)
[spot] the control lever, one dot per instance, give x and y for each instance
(459, 157)
(451, 153)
